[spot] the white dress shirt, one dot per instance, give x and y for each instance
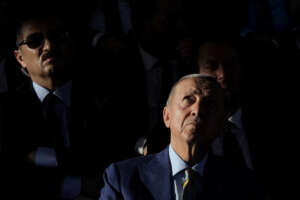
(178, 166)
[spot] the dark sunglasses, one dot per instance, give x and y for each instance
(35, 40)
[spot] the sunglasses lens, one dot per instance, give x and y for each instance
(35, 40)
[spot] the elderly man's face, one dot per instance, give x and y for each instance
(195, 112)
(47, 52)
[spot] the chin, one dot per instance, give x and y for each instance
(52, 67)
(190, 135)
(47, 69)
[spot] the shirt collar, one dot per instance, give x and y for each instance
(178, 165)
(63, 93)
(236, 118)
(148, 60)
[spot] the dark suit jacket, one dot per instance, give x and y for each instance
(150, 178)
(25, 130)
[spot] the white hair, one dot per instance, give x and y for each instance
(191, 76)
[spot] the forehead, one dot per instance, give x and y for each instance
(168, 8)
(40, 25)
(169, 5)
(199, 86)
(219, 50)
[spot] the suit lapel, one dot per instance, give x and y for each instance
(156, 176)
(28, 109)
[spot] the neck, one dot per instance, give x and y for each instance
(190, 153)
(51, 84)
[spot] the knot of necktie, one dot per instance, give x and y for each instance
(50, 102)
(192, 186)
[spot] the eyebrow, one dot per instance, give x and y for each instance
(193, 91)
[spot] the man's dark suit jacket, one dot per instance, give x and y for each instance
(258, 122)
(150, 177)
(91, 150)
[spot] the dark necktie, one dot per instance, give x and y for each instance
(192, 186)
(232, 149)
(53, 124)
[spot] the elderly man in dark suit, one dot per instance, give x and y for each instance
(184, 170)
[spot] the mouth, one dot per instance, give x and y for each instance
(49, 57)
(193, 125)
(49, 60)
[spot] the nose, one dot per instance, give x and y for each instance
(48, 45)
(195, 109)
(220, 74)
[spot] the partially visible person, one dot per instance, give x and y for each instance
(219, 57)
(10, 75)
(149, 65)
(109, 22)
(52, 124)
(194, 113)
(246, 133)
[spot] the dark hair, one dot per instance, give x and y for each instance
(238, 43)
(35, 10)
(218, 36)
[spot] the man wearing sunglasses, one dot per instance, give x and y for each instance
(45, 51)
(52, 125)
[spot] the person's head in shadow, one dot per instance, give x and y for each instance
(44, 48)
(219, 57)
(158, 25)
(194, 113)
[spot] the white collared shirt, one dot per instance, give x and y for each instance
(63, 93)
(178, 166)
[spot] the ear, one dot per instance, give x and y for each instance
(166, 116)
(19, 58)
